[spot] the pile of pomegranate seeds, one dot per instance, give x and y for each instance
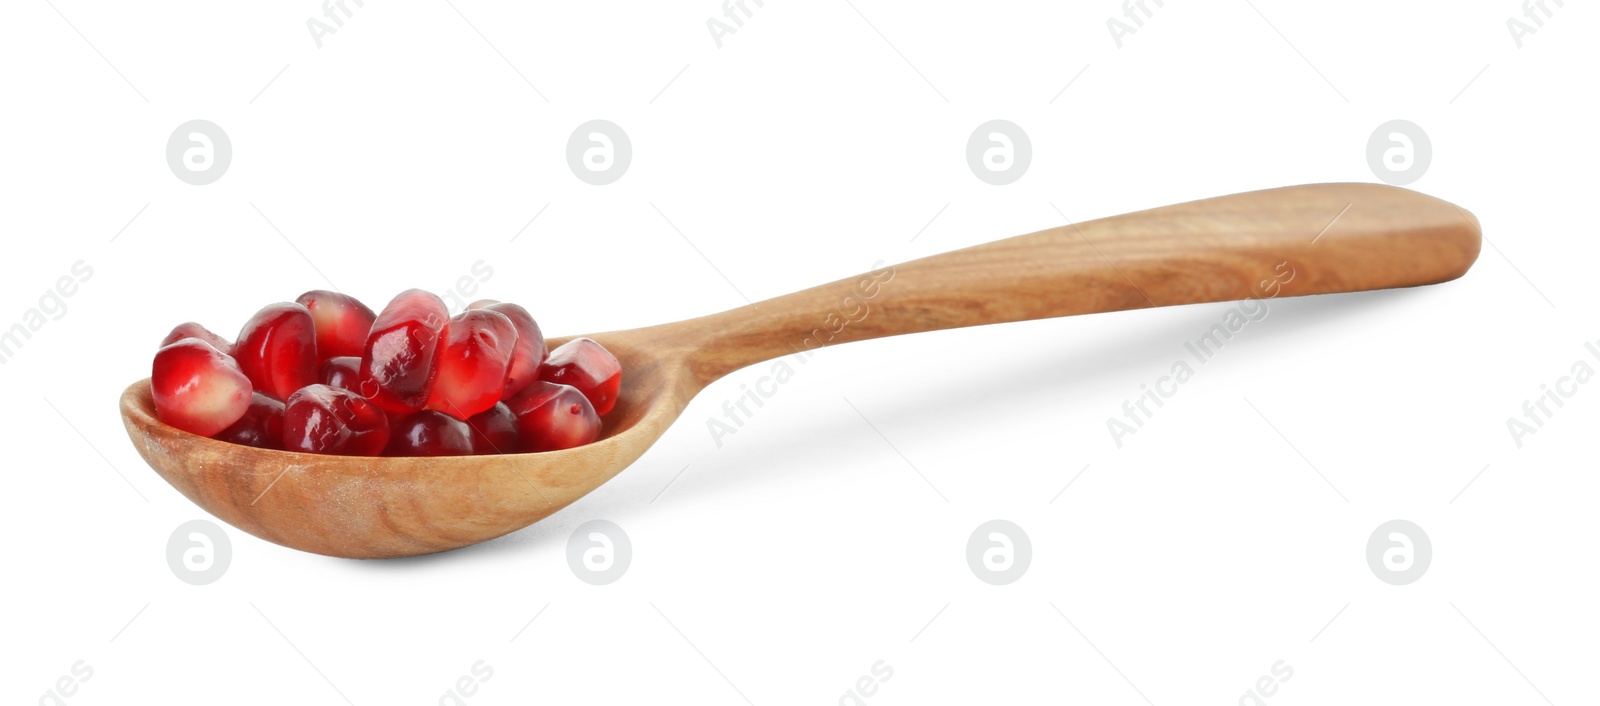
(326, 375)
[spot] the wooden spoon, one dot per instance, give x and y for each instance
(1333, 237)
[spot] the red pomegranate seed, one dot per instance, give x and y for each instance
(429, 433)
(551, 417)
(343, 372)
(471, 370)
(191, 329)
(402, 351)
(495, 431)
(342, 322)
(529, 353)
(327, 420)
(261, 426)
(277, 349)
(198, 388)
(588, 366)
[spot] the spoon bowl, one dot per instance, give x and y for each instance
(1292, 241)
(377, 507)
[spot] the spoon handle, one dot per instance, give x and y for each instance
(1291, 241)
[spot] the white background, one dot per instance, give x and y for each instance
(821, 137)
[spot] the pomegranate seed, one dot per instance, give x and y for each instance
(277, 349)
(588, 366)
(327, 420)
(529, 353)
(191, 329)
(482, 304)
(342, 322)
(551, 417)
(402, 351)
(429, 433)
(495, 431)
(471, 369)
(343, 372)
(261, 426)
(198, 388)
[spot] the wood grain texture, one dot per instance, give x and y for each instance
(1212, 250)
(1333, 237)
